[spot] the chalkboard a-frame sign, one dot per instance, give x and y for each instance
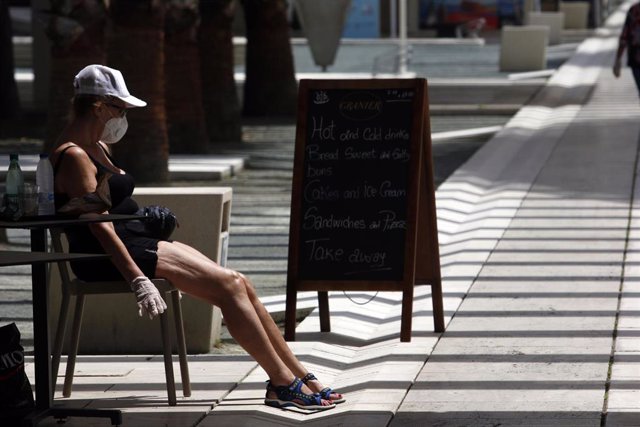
(363, 212)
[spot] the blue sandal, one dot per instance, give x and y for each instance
(326, 392)
(292, 395)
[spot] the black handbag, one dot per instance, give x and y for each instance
(159, 222)
(16, 397)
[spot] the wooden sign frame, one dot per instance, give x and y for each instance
(421, 237)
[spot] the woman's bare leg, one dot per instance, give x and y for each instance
(279, 344)
(215, 286)
(195, 274)
(275, 337)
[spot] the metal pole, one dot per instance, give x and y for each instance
(393, 19)
(402, 11)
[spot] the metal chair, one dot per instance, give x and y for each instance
(80, 289)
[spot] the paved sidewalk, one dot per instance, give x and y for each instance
(539, 236)
(532, 341)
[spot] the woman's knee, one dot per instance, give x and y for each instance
(232, 285)
(248, 286)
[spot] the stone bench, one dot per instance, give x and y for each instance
(576, 14)
(524, 48)
(553, 20)
(111, 324)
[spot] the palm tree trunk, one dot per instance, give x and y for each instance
(220, 99)
(136, 48)
(270, 88)
(9, 101)
(185, 115)
(70, 52)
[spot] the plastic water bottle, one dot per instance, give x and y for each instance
(14, 185)
(44, 181)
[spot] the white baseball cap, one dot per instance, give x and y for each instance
(104, 81)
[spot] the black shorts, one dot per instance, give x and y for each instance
(143, 250)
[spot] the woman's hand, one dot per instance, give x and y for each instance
(148, 297)
(616, 67)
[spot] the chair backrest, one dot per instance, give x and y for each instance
(63, 266)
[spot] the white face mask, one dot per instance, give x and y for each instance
(114, 130)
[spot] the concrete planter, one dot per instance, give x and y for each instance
(553, 20)
(524, 48)
(576, 14)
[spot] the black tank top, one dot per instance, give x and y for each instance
(81, 239)
(121, 186)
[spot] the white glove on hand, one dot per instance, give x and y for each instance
(148, 297)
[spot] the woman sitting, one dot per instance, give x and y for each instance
(88, 180)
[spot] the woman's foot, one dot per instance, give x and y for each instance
(325, 392)
(293, 395)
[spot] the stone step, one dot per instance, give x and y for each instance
(181, 167)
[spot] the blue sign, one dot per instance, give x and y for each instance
(363, 19)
